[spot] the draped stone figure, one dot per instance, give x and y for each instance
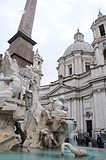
(9, 79)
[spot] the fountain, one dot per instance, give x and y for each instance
(24, 123)
(37, 154)
(20, 107)
(72, 131)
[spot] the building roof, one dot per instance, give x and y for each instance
(79, 45)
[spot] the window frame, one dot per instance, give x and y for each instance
(70, 69)
(87, 66)
(102, 30)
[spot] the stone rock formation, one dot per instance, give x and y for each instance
(23, 121)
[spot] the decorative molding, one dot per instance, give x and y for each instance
(88, 114)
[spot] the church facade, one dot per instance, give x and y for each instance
(82, 80)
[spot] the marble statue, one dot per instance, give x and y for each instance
(13, 86)
(58, 103)
(45, 128)
(19, 97)
(53, 125)
(11, 108)
(10, 78)
(77, 152)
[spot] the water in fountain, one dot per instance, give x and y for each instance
(94, 154)
(71, 132)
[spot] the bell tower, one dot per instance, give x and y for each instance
(21, 44)
(99, 43)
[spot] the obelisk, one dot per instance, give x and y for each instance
(21, 44)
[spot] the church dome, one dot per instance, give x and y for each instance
(79, 45)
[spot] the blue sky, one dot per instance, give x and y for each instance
(56, 22)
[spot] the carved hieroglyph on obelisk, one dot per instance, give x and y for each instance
(21, 44)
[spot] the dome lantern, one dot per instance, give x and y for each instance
(78, 37)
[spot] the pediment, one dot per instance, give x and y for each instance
(60, 89)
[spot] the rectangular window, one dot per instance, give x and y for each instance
(102, 30)
(87, 67)
(70, 70)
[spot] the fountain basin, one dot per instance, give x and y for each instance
(39, 154)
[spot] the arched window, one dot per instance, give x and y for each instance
(104, 53)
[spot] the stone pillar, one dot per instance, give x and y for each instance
(37, 62)
(103, 96)
(98, 110)
(74, 109)
(61, 67)
(99, 55)
(66, 71)
(40, 67)
(78, 63)
(81, 113)
(76, 71)
(73, 68)
(68, 103)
